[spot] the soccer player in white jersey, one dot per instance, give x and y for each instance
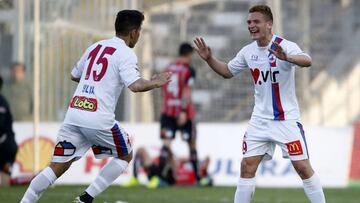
(275, 120)
(102, 72)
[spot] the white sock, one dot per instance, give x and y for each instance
(107, 175)
(38, 185)
(313, 189)
(245, 190)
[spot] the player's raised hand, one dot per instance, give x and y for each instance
(202, 49)
(162, 78)
(278, 52)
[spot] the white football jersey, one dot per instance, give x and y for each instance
(104, 69)
(274, 79)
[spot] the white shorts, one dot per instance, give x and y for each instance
(262, 135)
(74, 141)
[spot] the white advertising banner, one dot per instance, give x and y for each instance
(329, 149)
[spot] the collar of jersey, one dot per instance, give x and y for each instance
(269, 45)
(119, 39)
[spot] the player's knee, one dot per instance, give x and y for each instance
(303, 168)
(248, 169)
(60, 168)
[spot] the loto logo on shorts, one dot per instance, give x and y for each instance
(294, 148)
(84, 103)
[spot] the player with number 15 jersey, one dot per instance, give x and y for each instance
(105, 69)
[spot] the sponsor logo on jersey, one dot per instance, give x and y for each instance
(265, 76)
(294, 148)
(84, 103)
(64, 148)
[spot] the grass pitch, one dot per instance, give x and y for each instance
(116, 194)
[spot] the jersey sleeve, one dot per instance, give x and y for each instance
(293, 49)
(79, 66)
(129, 70)
(238, 63)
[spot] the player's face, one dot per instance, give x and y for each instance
(134, 37)
(258, 25)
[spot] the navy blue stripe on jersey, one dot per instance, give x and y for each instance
(278, 110)
(277, 107)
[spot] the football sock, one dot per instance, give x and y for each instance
(194, 163)
(245, 190)
(313, 189)
(38, 185)
(107, 175)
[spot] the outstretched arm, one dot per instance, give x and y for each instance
(143, 85)
(204, 52)
(300, 60)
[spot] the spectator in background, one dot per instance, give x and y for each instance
(168, 175)
(19, 93)
(8, 146)
(158, 176)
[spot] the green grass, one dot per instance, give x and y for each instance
(59, 194)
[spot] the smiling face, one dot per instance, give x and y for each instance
(259, 26)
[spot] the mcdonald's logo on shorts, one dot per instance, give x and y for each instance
(294, 148)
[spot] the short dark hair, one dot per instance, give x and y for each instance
(127, 20)
(185, 49)
(264, 9)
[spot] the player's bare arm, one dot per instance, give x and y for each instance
(75, 79)
(300, 60)
(143, 85)
(204, 52)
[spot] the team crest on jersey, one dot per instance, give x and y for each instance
(84, 103)
(101, 150)
(64, 148)
(272, 60)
